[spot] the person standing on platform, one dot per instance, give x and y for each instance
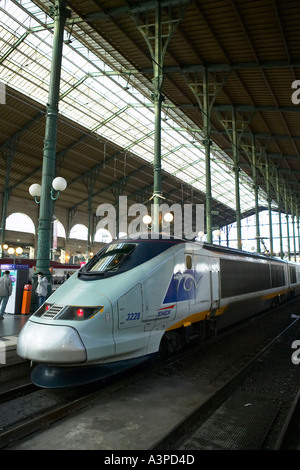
(41, 289)
(5, 292)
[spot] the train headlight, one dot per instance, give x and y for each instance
(79, 312)
(68, 312)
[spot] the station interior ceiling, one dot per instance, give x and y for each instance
(250, 52)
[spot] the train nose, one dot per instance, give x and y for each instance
(50, 344)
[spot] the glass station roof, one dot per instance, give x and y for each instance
(103, 101)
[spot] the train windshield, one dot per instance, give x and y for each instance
(111, 258)
(121, 256)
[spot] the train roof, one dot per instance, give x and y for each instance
(237, 252)
(159, 237)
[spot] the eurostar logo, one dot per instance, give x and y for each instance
(183, 286)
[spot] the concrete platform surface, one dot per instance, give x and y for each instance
(12, 324)
(10, 328)
(133, 418)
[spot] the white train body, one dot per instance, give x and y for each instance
(138, 297)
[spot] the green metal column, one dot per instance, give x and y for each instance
(206, 90)
(280, 234)
(90, 220)
(158, 98)
(227, 236)
(279, 214)
(294, 236)
(6, 195)
(270, 227)
(287, 223)
(288, 235)
(207, 143)
(60, 14)
(163, 30)
(297, 218)
(256, 187)
(237, 178)
(269, 204)
(89, 182)
(234, 129)
(294, 232)
(8, 151)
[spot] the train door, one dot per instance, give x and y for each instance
(130, 308)
(197, 281)
(215, 296)
(129, 330)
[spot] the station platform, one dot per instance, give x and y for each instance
(10, 328)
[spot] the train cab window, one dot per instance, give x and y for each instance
(111, 258)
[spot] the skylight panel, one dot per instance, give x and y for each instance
(145, 119)
(94, 95)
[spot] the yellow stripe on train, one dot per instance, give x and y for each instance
(190, 319)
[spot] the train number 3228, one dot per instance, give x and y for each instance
(133, 316)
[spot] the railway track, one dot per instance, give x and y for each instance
(36, 408)
(17, 391)
(15, 380)
(250, 411)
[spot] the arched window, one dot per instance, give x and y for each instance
(103, 235)
(79, 231)
(60, 229)
(19, 222)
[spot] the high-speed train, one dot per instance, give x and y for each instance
(135, 298)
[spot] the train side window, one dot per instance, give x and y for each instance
(188, 262)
